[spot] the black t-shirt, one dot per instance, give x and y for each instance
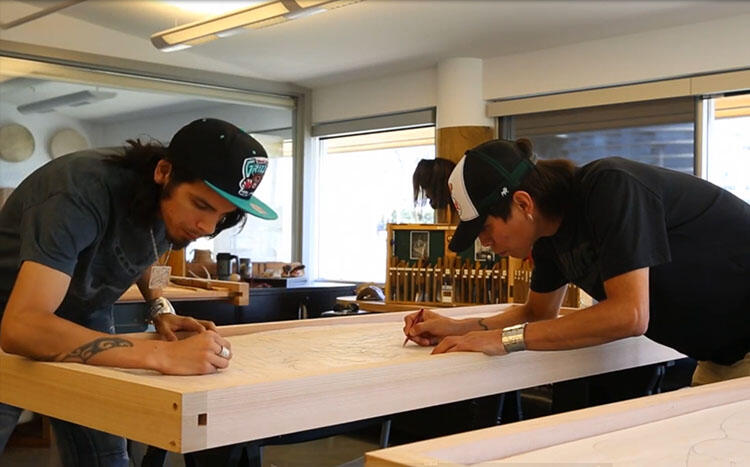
(72, 215)
(693, 235)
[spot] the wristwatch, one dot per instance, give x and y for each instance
(159, 306)
(513, 338)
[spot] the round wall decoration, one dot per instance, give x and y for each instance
(16, 142)
(66, 141)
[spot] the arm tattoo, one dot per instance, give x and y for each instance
(484, 326)
(83, 353)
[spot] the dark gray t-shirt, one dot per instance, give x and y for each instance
(694, 237)
(72, 215)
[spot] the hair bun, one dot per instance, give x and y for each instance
(526, 147)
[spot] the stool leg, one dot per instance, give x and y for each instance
(385, 433)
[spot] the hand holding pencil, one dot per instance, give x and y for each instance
(417, 319)
(425, 327)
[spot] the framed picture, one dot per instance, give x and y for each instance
(419, 245)
(482, 253)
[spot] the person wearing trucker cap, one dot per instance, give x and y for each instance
(83, 228)
(664, 253)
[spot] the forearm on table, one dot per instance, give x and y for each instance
(46, 337)
(604, 322)
(514, 314)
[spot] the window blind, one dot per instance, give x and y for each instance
(635, 114)
(417, 118)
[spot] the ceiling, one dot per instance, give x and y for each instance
(379, 37)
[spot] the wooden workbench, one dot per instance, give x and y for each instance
(705, 425)
(133, 295)
(291, 376)
(191, 289)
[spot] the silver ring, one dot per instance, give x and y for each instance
(224, 352)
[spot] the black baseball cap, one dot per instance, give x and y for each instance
(484, 176)
(228, 160)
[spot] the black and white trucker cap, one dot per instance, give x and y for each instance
(485, 175)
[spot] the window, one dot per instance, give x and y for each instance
(655, 132)
(128, 106)
(728, 144)
(363, 183)
(669, 145)
(259, 239)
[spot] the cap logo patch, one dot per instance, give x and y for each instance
(252, 173)
(504, 192)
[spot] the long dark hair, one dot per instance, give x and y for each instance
(430, 180)
(550, 184)
(144, 208)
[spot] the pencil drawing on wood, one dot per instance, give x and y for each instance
(265, 354)
(714, 436)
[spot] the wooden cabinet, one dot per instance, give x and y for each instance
(422, 270)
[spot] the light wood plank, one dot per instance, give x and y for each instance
(529, 441)
(133, 295)
(297, 375)
(72, 392)
(712, 436)
(194, 289)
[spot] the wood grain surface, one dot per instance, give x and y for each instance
(296, 375)
(712, 436)
(705, 425)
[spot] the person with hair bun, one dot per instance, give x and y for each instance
(664, 253)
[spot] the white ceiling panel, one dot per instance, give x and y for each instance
(379, 37)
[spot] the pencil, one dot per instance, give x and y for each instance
(416, 320)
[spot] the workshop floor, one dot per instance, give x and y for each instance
(331, 451)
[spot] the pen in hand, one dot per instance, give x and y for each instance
(418, 319)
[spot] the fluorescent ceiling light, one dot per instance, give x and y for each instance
(75, 99)
(254, 17)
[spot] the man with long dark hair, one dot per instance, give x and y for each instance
(665, 254)
(83, 228)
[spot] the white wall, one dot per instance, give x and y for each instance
(710, 46)
(697, 48)
(389, 94)
(42, 128)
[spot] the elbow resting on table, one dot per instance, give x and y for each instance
(637, 321)
(7, 343)
(12, 339)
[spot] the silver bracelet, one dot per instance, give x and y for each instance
(513, 339)
(159, 306)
